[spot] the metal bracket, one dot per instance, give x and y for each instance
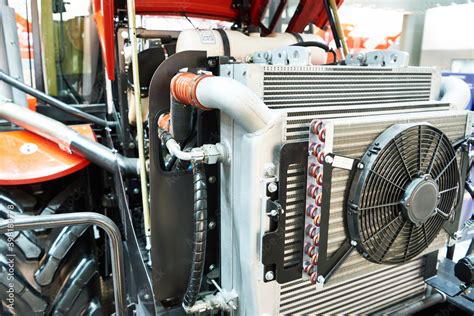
(327, 265)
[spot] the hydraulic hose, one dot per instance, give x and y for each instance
(200, 234)
(68, 139)
(53, 101)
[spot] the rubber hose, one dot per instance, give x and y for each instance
(200, 234)
(323, 46)
(181, 120)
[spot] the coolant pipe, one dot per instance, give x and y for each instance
(68, 139)
(53, 101)
(228, 95)
(455, 92)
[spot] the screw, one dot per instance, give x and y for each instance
(269, 276)
(426, 178)
(212, 225)
(146, 297)
(272, 187)
(273, 213)
(360, 165)
(353, 243)
(212, 267)
(320, 279)
(136, 191)
(211, 62)
(212, 179)
(329, 160)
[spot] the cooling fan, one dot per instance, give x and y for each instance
(404, 192)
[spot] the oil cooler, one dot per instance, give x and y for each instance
(288, 244)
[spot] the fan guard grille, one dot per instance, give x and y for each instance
(403, 155)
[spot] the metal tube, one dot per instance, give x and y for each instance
(132, 29)
(339, 30)
(431, 300)
(21, 223)
(68, 139)
(53, 101)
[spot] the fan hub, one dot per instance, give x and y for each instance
(420, 199)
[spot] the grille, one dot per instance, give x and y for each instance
(295, 201)
(370, 293)
(290, 87)
(415, 163)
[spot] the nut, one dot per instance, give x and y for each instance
(269, 276)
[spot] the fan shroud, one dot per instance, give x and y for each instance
(403, 195)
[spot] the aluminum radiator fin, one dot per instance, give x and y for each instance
(363, 295)
(295, 201)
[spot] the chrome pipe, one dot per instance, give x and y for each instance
(132, 30)
(68, 139)
(428, 301)
(21, 223)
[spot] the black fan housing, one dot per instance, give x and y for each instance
(403, 193)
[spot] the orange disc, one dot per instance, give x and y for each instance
(28, 158)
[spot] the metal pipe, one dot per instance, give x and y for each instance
(68, 139)
(132, 30)
(455, 92)
(228, 95)
(53, 101)
(428, 301)
(339, 30)
(21, 223)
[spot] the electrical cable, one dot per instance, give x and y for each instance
(332, 24)
(200, 234)
(323, 46)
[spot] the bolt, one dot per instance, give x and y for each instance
(136, 191)
(320, 279)
(353, 243)
(124, 34)
(212, 267)
(329, 160)
(269, 276)
(146, 297)
(360, 57)
(270, 170)
(408, 204)
(273, 213)
(211, 62)
(427, 178)
(360, 165)
(212, 225)
(272, 187)
(212, 179)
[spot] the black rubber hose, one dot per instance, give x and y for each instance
(323, 46)
(181, 120)
(200, 234)
(53, 101)
(332, 23)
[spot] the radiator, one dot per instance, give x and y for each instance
(300, 94)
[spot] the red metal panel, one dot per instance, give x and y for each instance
(213, 9)
(104, 19)
(29, 158)
(308, 11)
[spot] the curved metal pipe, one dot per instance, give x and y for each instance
(228, 95)
(67, 138)
(53, 101)
(21, 223)
(455, 92)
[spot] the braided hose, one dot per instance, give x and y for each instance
(200, 234)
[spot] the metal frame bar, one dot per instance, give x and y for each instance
(21, 223)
